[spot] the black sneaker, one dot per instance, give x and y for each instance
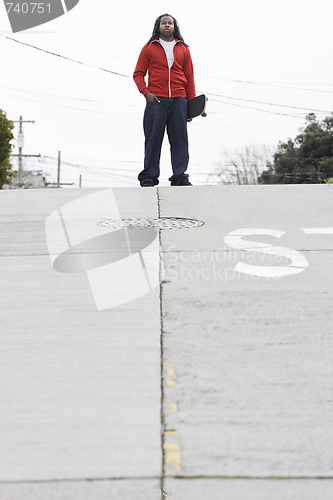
(147, 183)
(183, 182)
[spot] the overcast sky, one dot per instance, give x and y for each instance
(264, 65)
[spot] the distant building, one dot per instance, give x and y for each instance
(32, 179)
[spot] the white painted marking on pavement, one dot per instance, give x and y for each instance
(298, 262)
(318, 230)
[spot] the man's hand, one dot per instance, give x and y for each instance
(151, 97)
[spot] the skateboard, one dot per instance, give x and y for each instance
(196, 106)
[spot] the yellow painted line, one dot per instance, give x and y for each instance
(170, 433)
(169, 364)
(170, 371)
(170, 382)
(171, 446)
(174, 459)
(173, 408)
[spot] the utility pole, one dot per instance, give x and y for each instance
(58, 184)
(20, 143)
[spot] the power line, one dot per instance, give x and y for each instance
(217, 95)
(65, 57)
(88, 49)
(71, 164)
(95, 171)
(57, 104)
(269, 103)
(256, 109)
(71, 98)
(278, 85)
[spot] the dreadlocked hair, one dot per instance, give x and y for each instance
(156, 31)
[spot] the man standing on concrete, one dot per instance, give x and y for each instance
(167, 59)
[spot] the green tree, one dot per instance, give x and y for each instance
(6, 136)
(307, 159)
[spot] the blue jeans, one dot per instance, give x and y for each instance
(169, 113)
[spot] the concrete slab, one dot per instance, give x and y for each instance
(245, 353)
(233, 489)
(84, 490)
(80, 385)
(247, 358)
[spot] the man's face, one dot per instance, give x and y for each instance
(167, 28)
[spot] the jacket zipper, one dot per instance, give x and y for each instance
(169, 82)
(168, 64)
(173, 50)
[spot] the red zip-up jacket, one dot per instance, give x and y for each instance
(178, 81)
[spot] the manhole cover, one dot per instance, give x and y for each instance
(144, 222)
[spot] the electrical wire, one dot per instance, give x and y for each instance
(277, 85)
(90, 169)
(71, 98)
(269, 103)
(212, 94)
(65, 57)
(71, 164)
(256, 109)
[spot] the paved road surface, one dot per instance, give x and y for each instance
(236, 316)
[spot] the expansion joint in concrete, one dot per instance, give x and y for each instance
(250, 478)
(162, 348)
